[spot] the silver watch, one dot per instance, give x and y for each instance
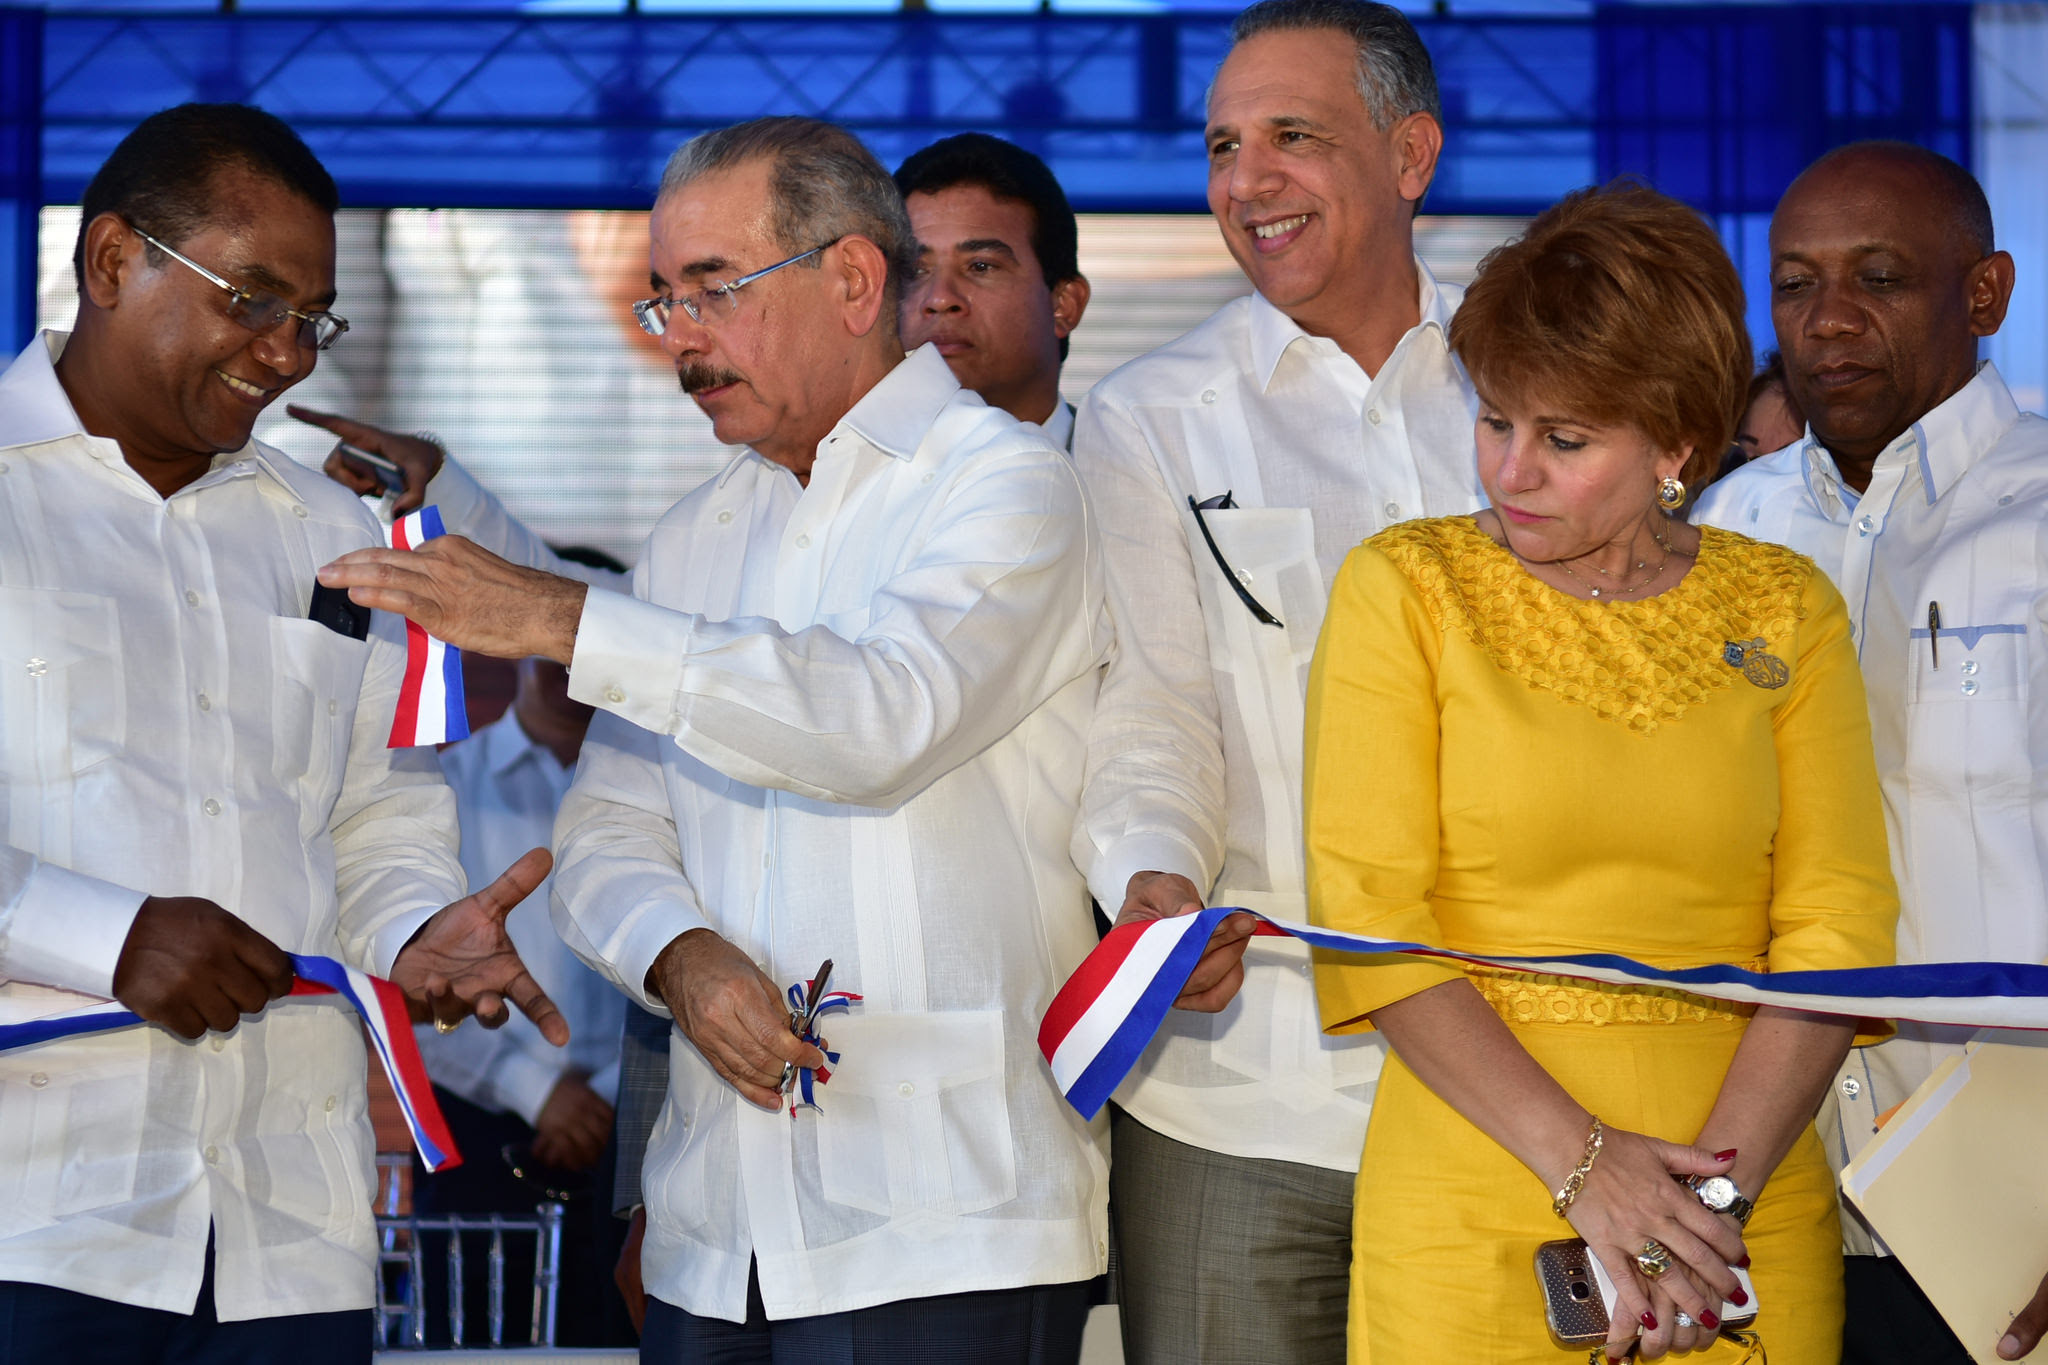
(1721, 1195)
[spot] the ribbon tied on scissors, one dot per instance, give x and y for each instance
(808, 1000)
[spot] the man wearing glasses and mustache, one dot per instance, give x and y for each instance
(843, 717)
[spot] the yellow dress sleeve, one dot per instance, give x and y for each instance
(1370, 799)
(1833, 901)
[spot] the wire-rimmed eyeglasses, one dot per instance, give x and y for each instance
(258, 311)
(715, 302)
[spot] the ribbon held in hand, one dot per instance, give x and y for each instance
(381, 1004)
(431, 709)
(1106, 1014)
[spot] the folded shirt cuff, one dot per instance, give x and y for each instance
(68, 930)
(629, 659)
(642, 942)
(390, 938)
(1111, 877)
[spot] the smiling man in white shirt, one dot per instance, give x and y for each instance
(844, 715)
(1303, 419)
(195, 782)
(1922, 490)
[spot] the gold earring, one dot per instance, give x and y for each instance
(1670, 494)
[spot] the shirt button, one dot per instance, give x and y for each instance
(1372, 415)
(333, 708)
(219, 1044)
(803, 542)
(39, 1080)
(212, 1154)
(329, 1105)
(205, 702)
(1969, 687)
(614, 695)
(210, 806)
(191, 598)
(1865, 526)
(1208, 395)
(1393, 509)
(1243, 577)
(38, 667)
(299, 512)
(906, 1090)
(1969, 667)
(725, 516)
(1851, 1087)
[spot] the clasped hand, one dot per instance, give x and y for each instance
(191, 966)
(1216, 978)
(1631, 1198)
(731, 1012)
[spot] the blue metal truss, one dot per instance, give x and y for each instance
(1718, 104)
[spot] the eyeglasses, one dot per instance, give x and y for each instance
(262, 312)
(1221, 503)
(712, 305)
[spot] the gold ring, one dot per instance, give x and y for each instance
(1654, 1259)
(442, 1026)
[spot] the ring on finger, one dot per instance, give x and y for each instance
(1684, 1319)
(447, 1025)
(1654, 1259)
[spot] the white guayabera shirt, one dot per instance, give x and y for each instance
(1195, 762)
(1956, 515)
(864, 704)
(172, 724)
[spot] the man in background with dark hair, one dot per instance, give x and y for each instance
(1233, 469)
(1922, 490)
(997, 286)
(196, 784)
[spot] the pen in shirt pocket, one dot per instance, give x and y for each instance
(1934, 634)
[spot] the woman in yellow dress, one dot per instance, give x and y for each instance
(1573, 724)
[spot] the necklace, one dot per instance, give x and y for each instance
(1598, 594)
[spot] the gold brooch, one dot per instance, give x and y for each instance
(1762, 668)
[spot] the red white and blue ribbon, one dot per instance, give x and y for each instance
(1104, 1017)
(431, 709)
(835, 1002)
(381, 1004)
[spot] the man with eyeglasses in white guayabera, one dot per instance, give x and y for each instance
(841, 718)
(195, 783)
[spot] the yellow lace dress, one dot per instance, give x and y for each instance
(1499, 767)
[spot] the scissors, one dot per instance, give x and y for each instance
(801, 1021)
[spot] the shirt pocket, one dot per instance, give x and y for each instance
(917, 1114)
(318, 676)
(71, 1127)
(1970, 712)
(63, 695)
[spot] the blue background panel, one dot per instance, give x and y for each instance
(1718, 104)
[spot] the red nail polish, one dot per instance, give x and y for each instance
(1743, 1263)
(1739, 1299)
(1728, 1155)
(1648, 1319)
(1710, 1322)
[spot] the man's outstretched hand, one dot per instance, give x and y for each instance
(416, 457)
(462, 962)
(462, 593)
(191, 966)
(1215, 981)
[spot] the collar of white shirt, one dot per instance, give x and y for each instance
(1273, 332)
(34, 409)
(1059, 427)
(1946, 441)
(895, 415)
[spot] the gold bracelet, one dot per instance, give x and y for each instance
(1576, 1181)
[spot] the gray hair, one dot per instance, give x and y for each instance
(1395, 76)
(824, 184)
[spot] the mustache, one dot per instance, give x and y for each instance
(697, 376)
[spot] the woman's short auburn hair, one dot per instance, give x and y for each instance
(1618, 306)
